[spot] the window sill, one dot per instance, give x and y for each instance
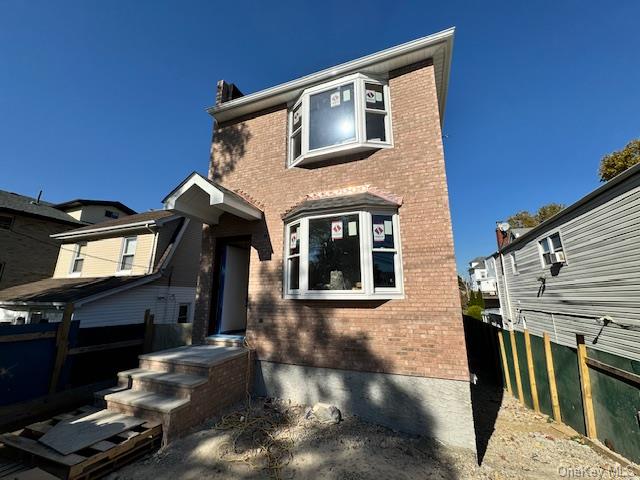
(337, 151)
(123, 273)
(344, 296)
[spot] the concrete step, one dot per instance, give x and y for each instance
(226, 340)
(176, 384)
(190, 360)
(148, 405)
(98, 397)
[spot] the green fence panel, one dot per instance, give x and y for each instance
(524, 369)
(616, 404)
(512, 372)
(542, 378)
(565, 361)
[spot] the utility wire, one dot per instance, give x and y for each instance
(72, 250)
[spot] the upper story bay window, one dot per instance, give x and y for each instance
(344, 116)
(347, 255)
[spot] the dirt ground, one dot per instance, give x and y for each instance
(521, 445)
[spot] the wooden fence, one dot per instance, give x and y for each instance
(43, 365)
(595, 393)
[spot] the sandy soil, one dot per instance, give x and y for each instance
(521, 445)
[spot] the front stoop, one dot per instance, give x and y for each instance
(182, 387)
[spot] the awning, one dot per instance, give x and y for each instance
(201, 198)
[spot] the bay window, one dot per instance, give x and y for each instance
(344, 116)
(350, 255)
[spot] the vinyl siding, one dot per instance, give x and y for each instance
(601, 242)
(103, 257)
(128, 307)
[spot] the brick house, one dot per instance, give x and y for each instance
(327, 240)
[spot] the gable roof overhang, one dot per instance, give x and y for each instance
(438, 47)
(205, 200)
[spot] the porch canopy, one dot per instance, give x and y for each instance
(201, 198)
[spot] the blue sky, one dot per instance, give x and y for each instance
(106, 99)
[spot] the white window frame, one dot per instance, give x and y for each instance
(514, 263)
(184, 304)
(368, 291)
(120, 270)
(75, 258)
(547, 238)
(360, 143)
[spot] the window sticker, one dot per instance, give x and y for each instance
(371, 96)
(293, 241)
(353, 229)
(388, 227)
(378, 96)
(335, 99)
(378, 232)
(346, 95)
(296, 116)
(336, 230)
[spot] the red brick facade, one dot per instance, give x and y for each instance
(419, 335)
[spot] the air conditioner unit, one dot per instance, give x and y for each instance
(557, 257)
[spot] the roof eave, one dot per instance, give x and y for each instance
(285, 92)
(535, 231)
(116, 228)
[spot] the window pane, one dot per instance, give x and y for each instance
(545, 245)
(384, 274)
(294, 273)
(127, 262)
(334, 253)
(332, 117)
(183, 313)
(294, 239)
(374, 96)
(5, 222)
(297, 118)
(82, 247)
(77, 265)
(375, 127)
(296, 145)
(382, 231)
(555, 241)
(130, 246)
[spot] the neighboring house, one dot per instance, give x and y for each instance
(482, 276)
(334, 256)
(26, 226)
(94, 211)
(113, 271)
(577, 273)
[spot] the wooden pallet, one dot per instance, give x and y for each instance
(88, 463)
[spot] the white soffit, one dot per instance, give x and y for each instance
(438, 46)
(201, 198)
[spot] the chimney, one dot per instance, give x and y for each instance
(503, 237)
(226, 91)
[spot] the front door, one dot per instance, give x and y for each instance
(233, 288)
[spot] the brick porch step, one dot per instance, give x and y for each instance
(178, 384)
(182, 387)
(148, 402)
(191, 360)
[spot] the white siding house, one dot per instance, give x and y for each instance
(579, 272)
